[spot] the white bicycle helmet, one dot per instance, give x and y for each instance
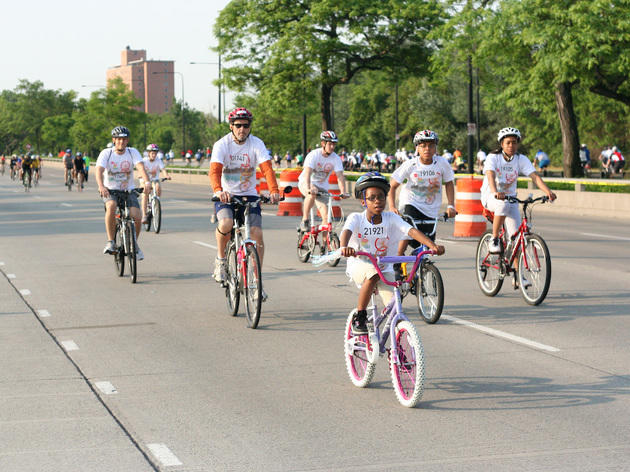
(425, 135)
(509, 132)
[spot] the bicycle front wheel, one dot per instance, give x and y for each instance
(488, 267)
(303, 247)
(407, 365)
(157, 215)
(253, 286)
(430, 294)
(130, 249)
(119, 256)
(333, 245)
(534, 270)
(356, 350)
(232, 293)
(338, 219)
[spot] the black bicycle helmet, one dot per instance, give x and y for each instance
(120, 132)
(370, 179)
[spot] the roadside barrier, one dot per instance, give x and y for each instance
(469, 221)
(261, 183)
(292, 203)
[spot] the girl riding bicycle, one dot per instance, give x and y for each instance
(502, 168)
(421, 197)
(377, 232)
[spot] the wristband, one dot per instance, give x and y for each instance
(343, 247)
(450, 206)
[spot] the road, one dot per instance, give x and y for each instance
(98, 374)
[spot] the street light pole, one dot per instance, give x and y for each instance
(219, 115)
(183, 106)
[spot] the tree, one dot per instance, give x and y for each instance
(300, 48)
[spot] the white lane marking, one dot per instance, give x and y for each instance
(177, 201)
(43, 313)
(445, 241)
(69, 345)
(605, 236)
(106, 387)
(25, 291)
(66, 205)
(205, 245)
(164, 455)
(501, 334)
(267, 214)
(10, 276)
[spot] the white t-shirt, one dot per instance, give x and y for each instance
(118, 168)
(154, 167)
(239, 163)
(322, 167)
(379, 240)
(423, 189)
(506, 173)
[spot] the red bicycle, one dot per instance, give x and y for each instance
(532, 274)
(309, 240)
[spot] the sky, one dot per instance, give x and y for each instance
(70, 43)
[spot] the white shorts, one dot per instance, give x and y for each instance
(360, 271)
(503, 208)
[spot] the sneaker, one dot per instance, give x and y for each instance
(305, 226)
(359, 325)
(494, 247)
(139, 254)
(264, 294)
(220, 270)
(109, 248)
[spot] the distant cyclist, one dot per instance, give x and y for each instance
(26, 172)
(114, 172)
(320, 163)
(233, 172)
(153, 166)
(68, 165)
(78, 170)
(501, 170)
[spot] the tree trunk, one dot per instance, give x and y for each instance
(326, 116)
(568, 126)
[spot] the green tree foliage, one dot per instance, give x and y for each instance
(300, 49)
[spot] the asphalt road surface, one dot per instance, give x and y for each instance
(98, 374)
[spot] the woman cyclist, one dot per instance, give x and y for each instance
(502, 168)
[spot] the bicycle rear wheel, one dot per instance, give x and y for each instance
(303, 247)
(407, 365)
(157, 214)
(488, 267)
(356, 350)
(333, 245)
(69, 182)
(430, 293)
(119, 256)
(232, 293)
(537, 271)
(130, 250)
(253, 286)
(149, 219)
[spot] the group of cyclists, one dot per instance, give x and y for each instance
(25, 167)
(236, 156)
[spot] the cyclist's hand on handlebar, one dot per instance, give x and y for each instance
(394, 210)
(103, 192)
(274, 197)
(450, 212)
(552, 196)
(224, 197)
(439, 250)
(344, 195)
(347, 251)
(499, 195)
(313, 190)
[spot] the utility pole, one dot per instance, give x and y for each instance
(471, 123)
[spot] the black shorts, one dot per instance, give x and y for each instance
(429, 229)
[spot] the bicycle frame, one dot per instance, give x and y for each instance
(241, 235)
(316, 229)
(393, 313)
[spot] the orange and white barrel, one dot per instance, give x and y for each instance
(333, 187)
(261, 183)
(469, 221)
(292, 203)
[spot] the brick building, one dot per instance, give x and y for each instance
(155, 90)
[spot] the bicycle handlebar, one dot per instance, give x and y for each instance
(528, 200)
(395, 259)
(244, 200)
(443, 218)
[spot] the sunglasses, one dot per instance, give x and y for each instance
(373, 198)
(241, 125)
